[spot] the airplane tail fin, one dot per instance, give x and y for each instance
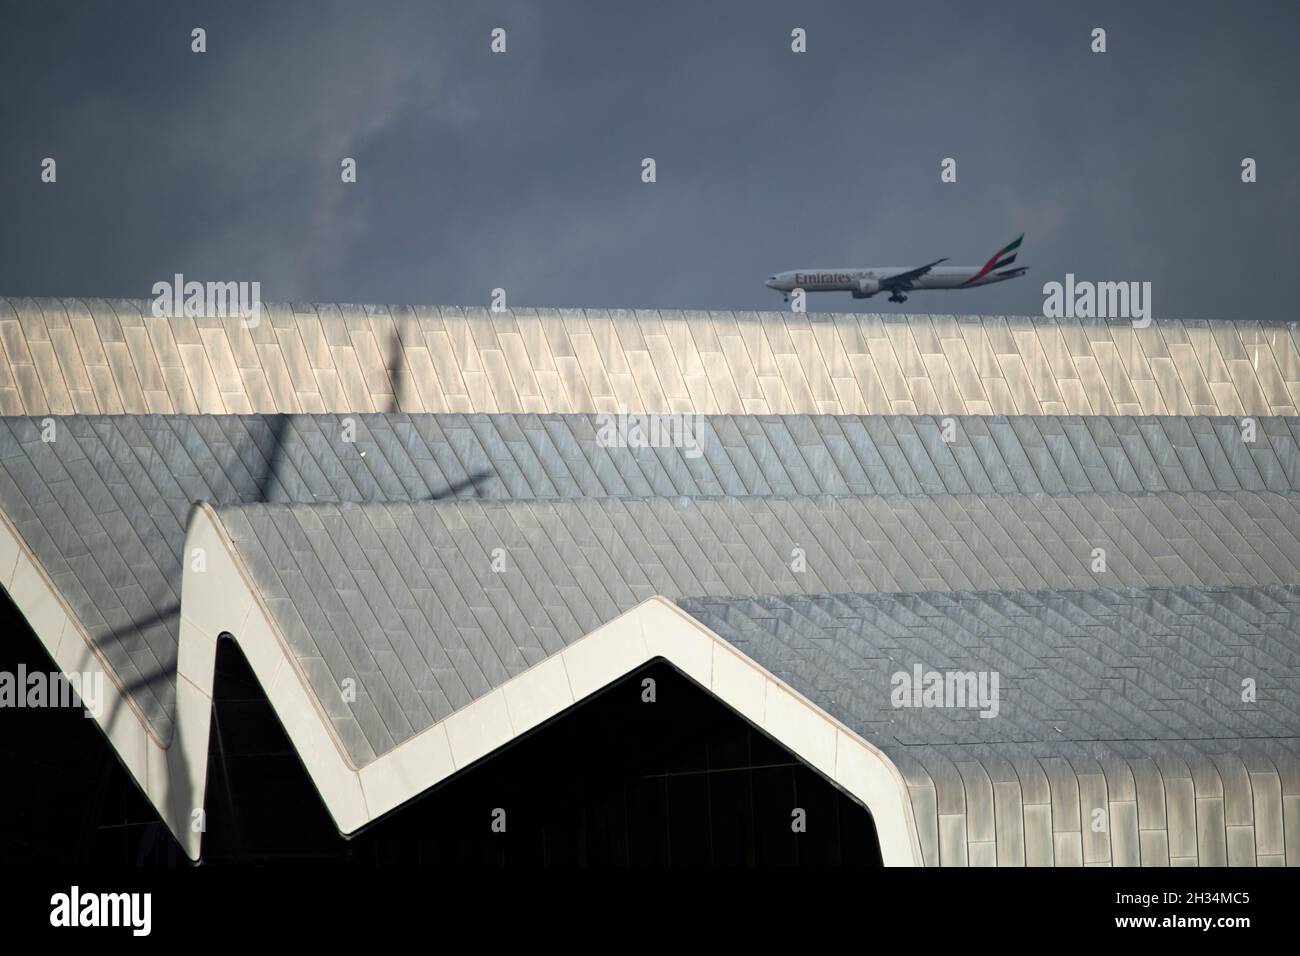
(1006, 255)
(1000, 259)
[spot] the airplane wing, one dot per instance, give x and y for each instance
(904, 279)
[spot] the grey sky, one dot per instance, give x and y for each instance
(523, 170)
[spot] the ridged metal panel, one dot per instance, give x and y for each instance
(585, 561)
(103, 506)
(1176, 770)
(114, 356)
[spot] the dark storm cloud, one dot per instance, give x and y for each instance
(523, 170)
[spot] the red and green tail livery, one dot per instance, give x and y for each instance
(1003, 257)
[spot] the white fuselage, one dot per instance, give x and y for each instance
(850, 280)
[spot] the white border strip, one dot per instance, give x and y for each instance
(221, 598)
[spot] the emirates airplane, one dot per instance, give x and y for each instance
(864, 283)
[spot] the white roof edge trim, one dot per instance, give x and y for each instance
(218, 596)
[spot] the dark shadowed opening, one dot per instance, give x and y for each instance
(66, 799)
(615, 780)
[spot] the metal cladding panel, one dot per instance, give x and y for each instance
(723, 547)
(1133, 788)
(102, 501)
(375, 358)
(864, 647)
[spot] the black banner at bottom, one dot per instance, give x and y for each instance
(209, 905)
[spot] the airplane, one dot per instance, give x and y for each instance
(864, 283)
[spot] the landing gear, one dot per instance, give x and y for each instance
(898, 297)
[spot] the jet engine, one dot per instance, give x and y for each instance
(866, 288)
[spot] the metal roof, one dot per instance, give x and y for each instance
(944, 516)
(104, 504)
(1123, 732)
(405, 597)
(63, 356)
(1108, 666)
